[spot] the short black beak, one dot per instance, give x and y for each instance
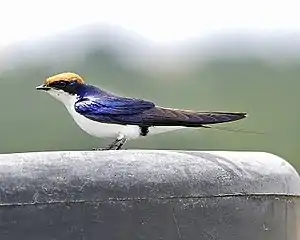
(42, 87)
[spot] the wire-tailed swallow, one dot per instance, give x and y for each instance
(106, 115)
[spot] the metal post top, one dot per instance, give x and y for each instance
(98, 176)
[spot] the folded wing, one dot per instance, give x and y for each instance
(112, 106)
(129, 111)
(175, 117)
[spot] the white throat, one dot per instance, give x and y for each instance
(67, 99)
(98, 129)
(93, 128)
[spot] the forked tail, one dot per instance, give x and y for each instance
(176, 117)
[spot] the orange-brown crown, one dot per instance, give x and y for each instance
(67, 76)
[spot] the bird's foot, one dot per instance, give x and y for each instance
(100, 149)
(116, 145)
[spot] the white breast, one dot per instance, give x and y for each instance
(103, 130)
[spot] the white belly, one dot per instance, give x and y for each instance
(105, 130)
(97, 129)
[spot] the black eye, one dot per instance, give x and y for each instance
(60, 84)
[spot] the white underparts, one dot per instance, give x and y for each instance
(103, 130)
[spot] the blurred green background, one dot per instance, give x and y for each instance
(226, 74)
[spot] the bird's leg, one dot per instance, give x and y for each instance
(118, 143)
(115, 145)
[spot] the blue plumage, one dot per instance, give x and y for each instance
(101, 106)
(93, 101)
(120, 117)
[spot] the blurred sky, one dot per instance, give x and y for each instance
(160, 21)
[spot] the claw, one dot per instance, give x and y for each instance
(116, 145)
(100, 149)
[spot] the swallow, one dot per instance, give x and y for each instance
(106, 115)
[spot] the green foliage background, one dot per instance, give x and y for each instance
(33, 121)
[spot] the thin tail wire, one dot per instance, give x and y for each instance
(233, 130)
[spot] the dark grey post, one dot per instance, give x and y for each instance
(148, 195)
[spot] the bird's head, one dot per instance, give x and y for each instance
(64, 86)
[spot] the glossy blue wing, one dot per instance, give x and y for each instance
(112, 106)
